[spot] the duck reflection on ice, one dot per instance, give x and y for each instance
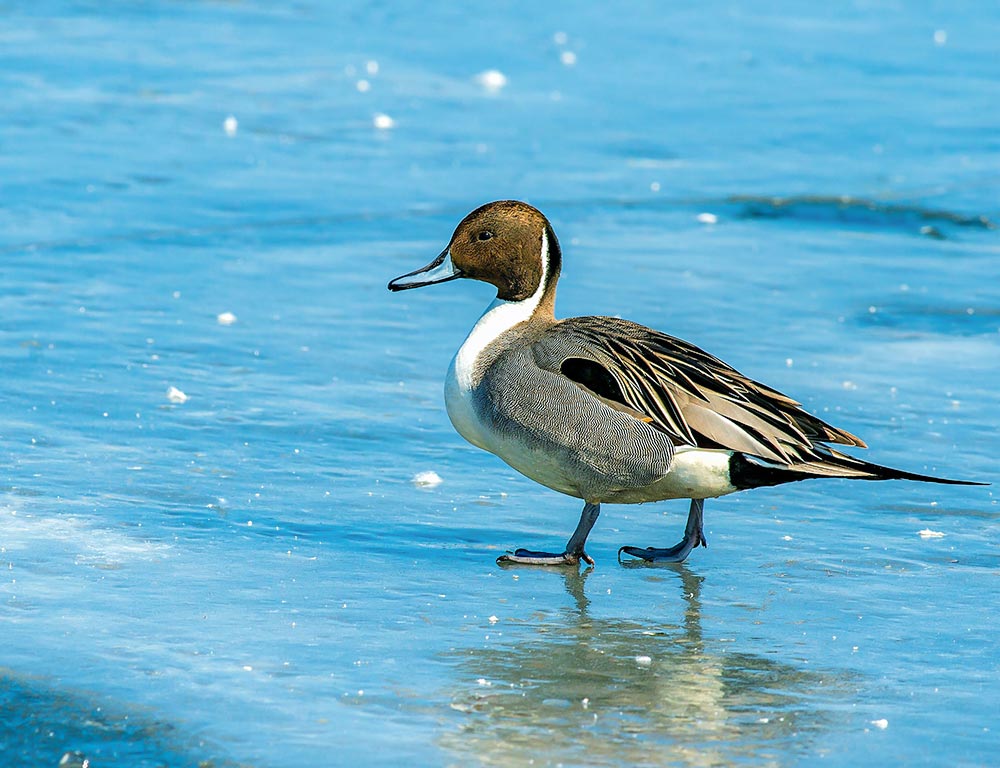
(576, 689)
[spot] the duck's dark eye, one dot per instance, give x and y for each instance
(485, 235)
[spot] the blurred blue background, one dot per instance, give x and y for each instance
(213, 548)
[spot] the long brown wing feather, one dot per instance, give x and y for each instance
(690, 395)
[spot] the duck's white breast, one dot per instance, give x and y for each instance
(467, 367)
(466, 371)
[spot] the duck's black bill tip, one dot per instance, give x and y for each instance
(441, 270)
(396, 285)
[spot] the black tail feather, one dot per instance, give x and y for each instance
(889, 473)
(747, 471)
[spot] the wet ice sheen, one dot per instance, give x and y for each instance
(754, 186)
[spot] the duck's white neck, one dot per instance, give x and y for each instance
(500, 316)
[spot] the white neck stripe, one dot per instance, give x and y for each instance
(500, 317)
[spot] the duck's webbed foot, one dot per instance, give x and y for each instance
(574, 547)
(530, 557)
(694, 536)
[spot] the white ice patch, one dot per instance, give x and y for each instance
(492, 80)
(72, 540)
(427, 479)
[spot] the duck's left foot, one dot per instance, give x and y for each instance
(574, 547)
(694, 536)
(528, 557)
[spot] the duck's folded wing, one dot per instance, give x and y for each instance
(693, 397)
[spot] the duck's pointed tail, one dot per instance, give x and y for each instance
(749, 471)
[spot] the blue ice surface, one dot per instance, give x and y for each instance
(251, 577)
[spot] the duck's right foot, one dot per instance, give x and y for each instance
(694, 536)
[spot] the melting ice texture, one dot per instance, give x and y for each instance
(215, 543)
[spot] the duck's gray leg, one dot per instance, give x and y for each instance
(574, 547)
(693, 537)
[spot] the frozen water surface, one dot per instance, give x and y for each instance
(244, 571)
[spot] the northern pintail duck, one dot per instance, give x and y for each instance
(607, 410)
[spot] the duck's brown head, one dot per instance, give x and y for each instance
(508, 244)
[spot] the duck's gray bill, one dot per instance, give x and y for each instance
(441, 270)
